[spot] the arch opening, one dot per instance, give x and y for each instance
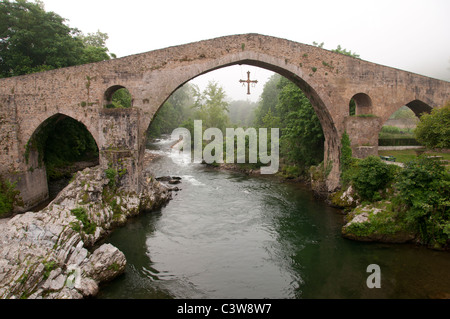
(294, 73)
(60, 147)
(398, 130)
(419, 107)
(360, 104)
(117, 96)
(239, 115)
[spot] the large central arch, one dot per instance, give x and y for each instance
(305, 82)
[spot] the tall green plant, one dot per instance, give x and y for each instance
(9, 197)
(346, 152)
(349, 165)
(433, 130)
(424, 197)
(302, 139)
(372, 178)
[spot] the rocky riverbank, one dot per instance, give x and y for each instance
(54, 253)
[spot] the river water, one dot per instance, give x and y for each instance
(227, 235)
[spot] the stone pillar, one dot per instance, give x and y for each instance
(119, 145)
(363, 132)
(18, 164)
(31, 182)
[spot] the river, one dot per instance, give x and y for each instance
(227, 235)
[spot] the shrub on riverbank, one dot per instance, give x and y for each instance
(418, 197)
(372, 177)
(424, 199)
(9, 197)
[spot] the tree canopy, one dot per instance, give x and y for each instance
(33, 40)
(433, 130)
(211, 106)
(283, 105)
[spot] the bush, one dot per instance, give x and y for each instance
(88, 226)
(9, 197)
(372, 177)
(346, 152)
(349, 164)
(433, 130)
(424, 197)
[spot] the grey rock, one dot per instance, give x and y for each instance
(44, 254)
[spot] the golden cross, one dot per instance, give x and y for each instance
(248, 81)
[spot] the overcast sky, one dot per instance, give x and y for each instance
(412, 35)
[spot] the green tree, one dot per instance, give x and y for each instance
(33, 40)
(95, 48)
(433, 130)
(97, 39)
(302, 139)
(175, 111)
(283, 105)
(424, 192)
(211, 106)
(269, 100)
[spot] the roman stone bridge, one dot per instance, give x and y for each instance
(330, 80)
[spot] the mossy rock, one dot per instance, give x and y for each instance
(344, 198)
(374, 224)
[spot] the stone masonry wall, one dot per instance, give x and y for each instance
(328, 79)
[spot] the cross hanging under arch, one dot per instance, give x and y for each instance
(248, 81)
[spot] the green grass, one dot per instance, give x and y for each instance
(404, 156)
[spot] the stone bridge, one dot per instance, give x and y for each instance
(330, 80)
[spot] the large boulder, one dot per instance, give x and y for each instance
(49, 254)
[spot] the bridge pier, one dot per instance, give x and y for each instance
(119, 148)
(363, 133)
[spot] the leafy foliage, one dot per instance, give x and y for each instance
(372, 177)
(9, 196)
(346, 152)
(211, 106)
(433, 130)
(175, 111)
(339, 49)
(403, 113)
(88, 226)
(424, 193)
(33, 40)
(283, 105)
(268, 101)
(302, 139)
(121, 99)
(349, 164)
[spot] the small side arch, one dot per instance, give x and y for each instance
(51, 128)
(58, 147)
(359, 104)
(117, 96)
